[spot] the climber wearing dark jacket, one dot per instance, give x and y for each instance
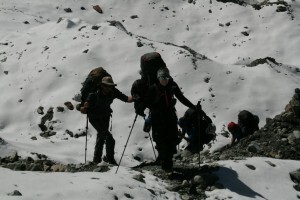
(161, 102)
(97, 107)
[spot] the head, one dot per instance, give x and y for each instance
(107, 85)
(231, 126)
(163, 75)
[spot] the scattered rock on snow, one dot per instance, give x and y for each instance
(98, 9)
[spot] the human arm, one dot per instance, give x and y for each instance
(90, 101)
(119, 95)
(179, 95)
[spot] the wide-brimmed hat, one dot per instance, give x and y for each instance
(107, 80)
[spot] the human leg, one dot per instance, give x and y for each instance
(100, 140)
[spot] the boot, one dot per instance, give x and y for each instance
(111, 160)
(97, 160)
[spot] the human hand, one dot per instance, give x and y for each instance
(140, 110)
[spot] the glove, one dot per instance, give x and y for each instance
(140, 110)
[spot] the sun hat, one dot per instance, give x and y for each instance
(107, 80)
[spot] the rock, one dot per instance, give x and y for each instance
(47, 134)
(185, 183)
(139, 44)
(60, 109)
(36, 167)
(185, 197)
(33, 138)
(253, 147)
(296, 133)
(98, 9)
(95, 27)
(69, 105)
(70, 133)
(15, 193)
(2, 142)
(281, 9)
(134, 16)
(291, 138)
(58, 168)
(245, 33)
(139, 177)
(297, 187)
(48, 116)
(198, 180)
(295, 176)
(20, 167)
(40, 110)
(68, 10)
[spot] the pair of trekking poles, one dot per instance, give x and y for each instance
(87, 122)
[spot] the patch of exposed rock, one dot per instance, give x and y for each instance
(279, 138)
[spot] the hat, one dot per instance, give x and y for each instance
(163, 72)
(107, 80)
(231, 125)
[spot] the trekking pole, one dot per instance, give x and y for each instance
(199, 123)
(147, 128)
(86, 133)
(152, 145)
(126, 142)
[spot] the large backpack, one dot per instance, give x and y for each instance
(207, 128)
(150, 63)
(248, 122)
(92, 81)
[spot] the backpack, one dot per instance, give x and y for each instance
(248, 122)
(150, 63)
(207, 128)
(92, 81)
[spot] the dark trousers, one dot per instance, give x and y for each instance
(101, 124)
(165, 135)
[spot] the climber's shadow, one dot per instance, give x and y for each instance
(231, 181)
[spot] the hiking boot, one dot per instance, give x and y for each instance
(97, 160)
(167, 165)
(158, 161)
(111, 161)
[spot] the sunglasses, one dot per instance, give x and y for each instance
(164, 78)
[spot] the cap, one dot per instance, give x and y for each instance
(163, 72)
(231, 125)
(107, 80)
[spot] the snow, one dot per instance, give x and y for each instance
(43, 64)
